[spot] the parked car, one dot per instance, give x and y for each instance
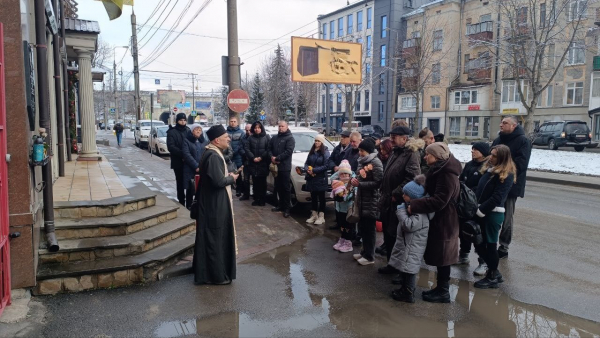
(318, 127)
(574, 134)
(304, 138)
(158, 140)
(356, 126)
(141, 132)
(369, 130)
(111, 124)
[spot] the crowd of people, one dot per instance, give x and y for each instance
(410, 185)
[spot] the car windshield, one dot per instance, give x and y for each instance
(573, 128)
(161, 132)
(149, 124)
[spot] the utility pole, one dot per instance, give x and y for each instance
(232, 50)
(115, 87)
(151, 106)
(122, 109)
(136, 72)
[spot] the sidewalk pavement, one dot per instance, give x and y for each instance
(582, 181)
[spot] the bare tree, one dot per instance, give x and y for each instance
(536, 40)
(103, 56)
(423, 59)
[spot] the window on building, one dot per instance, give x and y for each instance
(596, 87)
(574, 93)
(381, 111)
(369, 46)
(542, 14)
(357, 102)
(577, 9)
(340, 27)
(438, 40)
(369, 18)
(382, 83)
(472, 127)
(338, 106)
(324, 31)
(485, 18)
(549, 97)
(522, 16)
(465, 97)
(332, 30)
(411, 124)
(510, 91)
(545, 98)
(435, 102)
(384, 26)
(383, 56)
(415, 34)
(359, 21)
(467, 59)
(367, 100)
(455, 126)
(322, 103)
(408, 102)
(330, 102)
(550, 56)
(436, 73)
(350, 24)
(359, 40)
(368, 73)
(576, 54)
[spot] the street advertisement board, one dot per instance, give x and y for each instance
(326, 61)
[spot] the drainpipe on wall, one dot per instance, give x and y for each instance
(45, 119)
(65, 82)
(59, 109)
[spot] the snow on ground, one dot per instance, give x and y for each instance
(547, 160)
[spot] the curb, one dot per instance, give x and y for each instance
(563, 182)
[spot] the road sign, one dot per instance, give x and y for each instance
(113, 110)
(175, 109)
(238, 100)
(288, 112)
(263, 117)
(194, 113)
(157, 81)
(263, 113)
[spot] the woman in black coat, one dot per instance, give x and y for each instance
(499, 175)
(316, 179)
(257, 152)
(192, 148)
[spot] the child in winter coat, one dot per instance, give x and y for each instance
(342, 204)
(411, 241)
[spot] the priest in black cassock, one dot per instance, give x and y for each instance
(215, 249)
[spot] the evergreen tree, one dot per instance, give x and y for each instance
(279, 93)
(256, 101)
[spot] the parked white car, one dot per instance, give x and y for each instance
(305, 138)
(141, 132)
(158, 140)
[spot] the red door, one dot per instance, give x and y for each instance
(4, 249)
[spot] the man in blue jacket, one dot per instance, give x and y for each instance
(236, 135)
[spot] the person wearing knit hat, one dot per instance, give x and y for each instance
(316, 179)
(411, 241)
(439, 150)
(176, 137)
(215, 131)
(320, 138)
(367, 145)
(482, 147)
(345, 168)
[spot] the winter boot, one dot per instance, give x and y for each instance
(347, 246)
(339, 243)
(490, 281)
(463, 258)
(313, 217)
(481, 270)
(397, 279)
(321, 219)
(404, 294)
(441, 294)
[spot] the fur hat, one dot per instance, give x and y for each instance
(215, 132)
(345, 168)
(439, 150)
(367, 145)
(180, 116)
(415, 188)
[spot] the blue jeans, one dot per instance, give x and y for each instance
(119, 137)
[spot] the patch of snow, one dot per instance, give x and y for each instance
(547, 160)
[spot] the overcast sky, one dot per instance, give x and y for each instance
(261, 25)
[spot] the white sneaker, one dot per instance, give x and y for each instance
(321, 219)
(346, 247)
(357, 256)
(339, 243)
(481, 270)
(313, 217)
(364, 261)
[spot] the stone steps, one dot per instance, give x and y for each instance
(120, 225)
(108, 207)
(114, 272)
(86, 249)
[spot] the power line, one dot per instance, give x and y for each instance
(166, 17)
(175, 25)
(151, 15)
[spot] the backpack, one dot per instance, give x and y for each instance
(466, 206)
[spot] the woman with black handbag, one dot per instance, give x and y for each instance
(192, 148)
(499, 175)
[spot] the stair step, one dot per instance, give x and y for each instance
(73, 228)
(123, 269)
(72, 250)
(108, 207)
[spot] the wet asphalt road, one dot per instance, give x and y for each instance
(308, 289)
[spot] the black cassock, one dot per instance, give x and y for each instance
(214, 251)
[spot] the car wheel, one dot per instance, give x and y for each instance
(136, 142)
(579, 148)
(552, 144)
(293, 200)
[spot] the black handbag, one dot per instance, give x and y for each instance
(472, 230)
(194, 207)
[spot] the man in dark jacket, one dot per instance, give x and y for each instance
(281, 149)
(352, 152)
(236, 134)
(339, 151)
(427, 136)
(402, 167)
(513, 136)
(246, 176)
(175, 138)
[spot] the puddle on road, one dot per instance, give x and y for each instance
(473, 313)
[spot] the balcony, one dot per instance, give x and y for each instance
(596, 62)
(411, 47)
(480, 33)
(509, 72)
(409, 79)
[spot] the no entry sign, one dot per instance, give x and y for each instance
(238, 100)
(175, 109)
